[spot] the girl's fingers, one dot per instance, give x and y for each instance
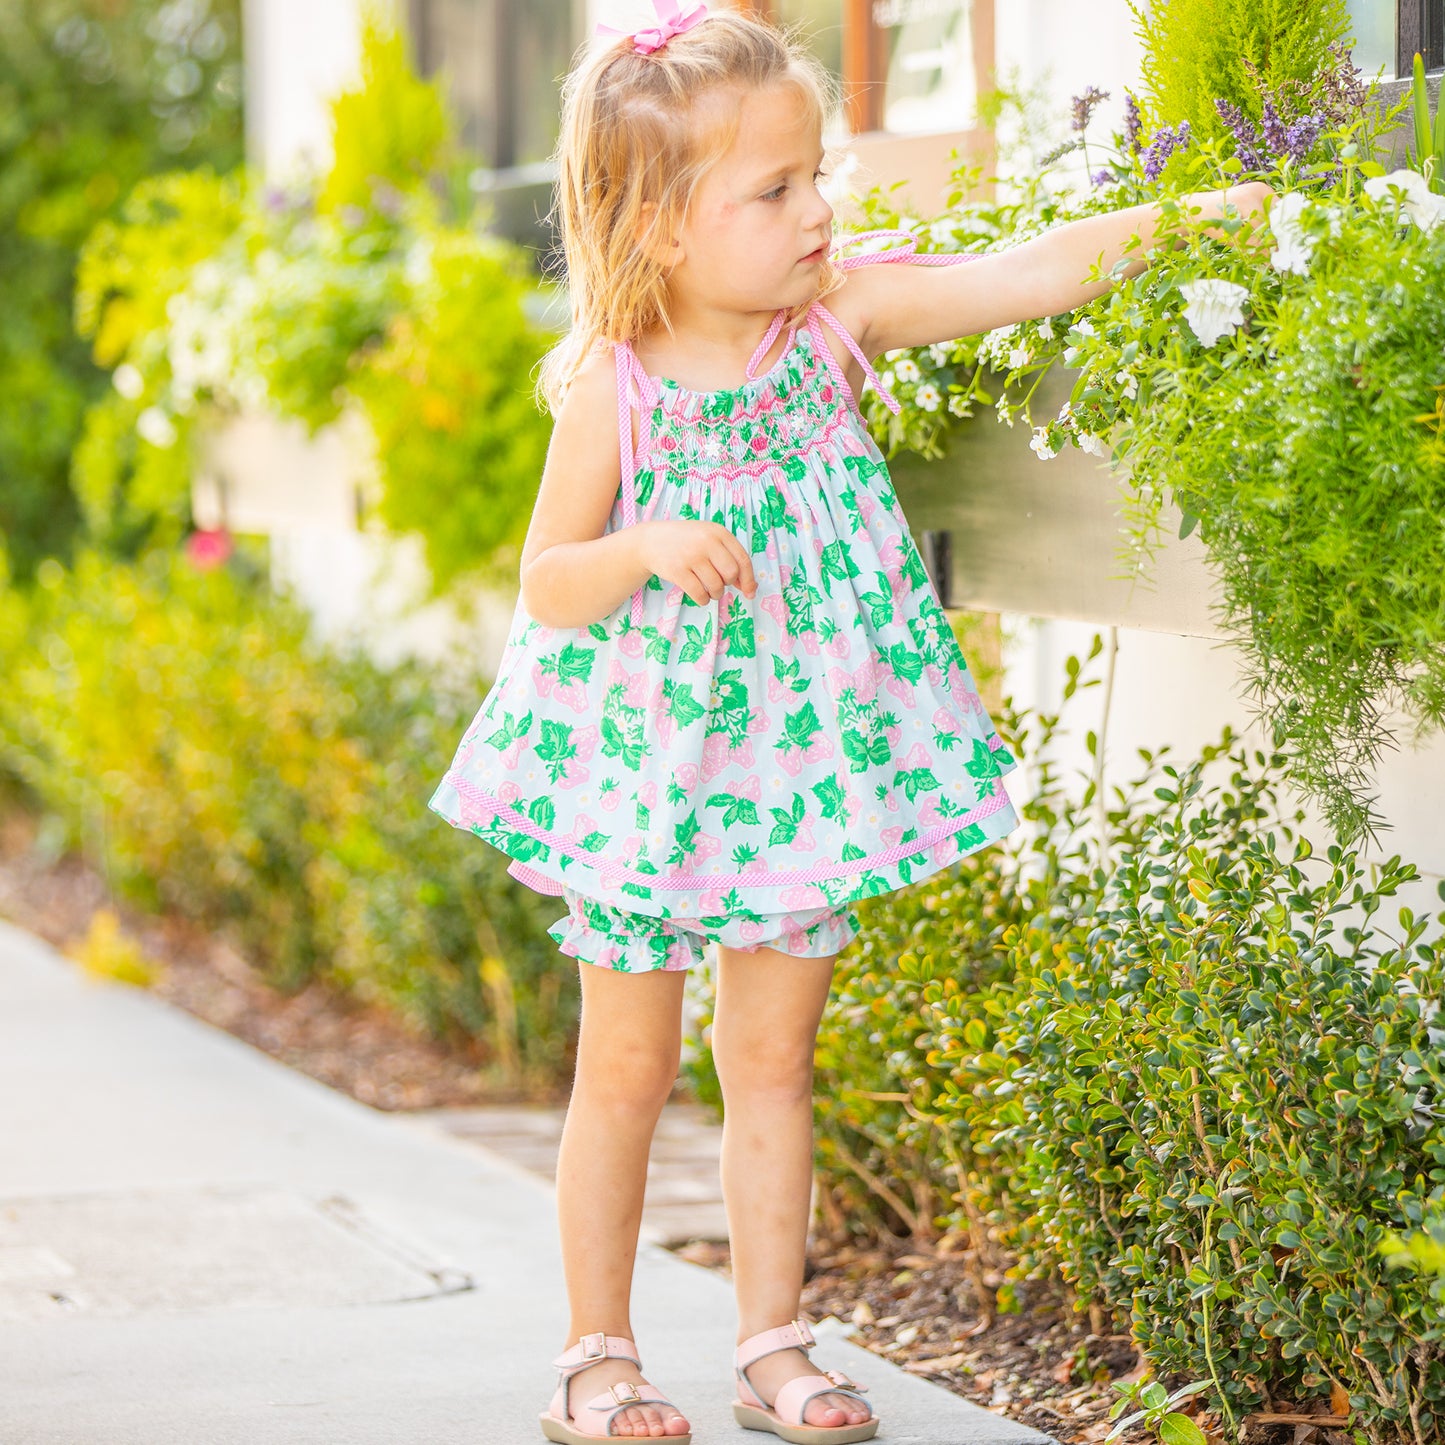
(710, 577)
(690, 583)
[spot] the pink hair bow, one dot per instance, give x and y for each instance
(672, 20)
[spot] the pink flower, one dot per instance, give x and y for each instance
(826, 391)
(206, 550)
(759, 443)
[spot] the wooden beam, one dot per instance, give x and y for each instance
(864, 67)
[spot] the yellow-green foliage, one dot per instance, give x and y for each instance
(392, 129)
(249, 779)
(1195, 51)
(106, 952)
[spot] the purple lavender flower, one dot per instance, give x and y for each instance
(1166, 141)
(1276, 134)
(1105, 177)
(1300, 138)
(1133, 123)
(1084, 106)
(1246, 136)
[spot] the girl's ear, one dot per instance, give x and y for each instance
(656, 239)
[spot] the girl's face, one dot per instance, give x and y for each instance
(758, 229)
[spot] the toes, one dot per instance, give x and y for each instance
(676, 1425)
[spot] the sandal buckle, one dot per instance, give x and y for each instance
(800, 1327)
(624, 1392)
(591, 1352)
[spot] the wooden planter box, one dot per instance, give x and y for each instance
(1044, 537)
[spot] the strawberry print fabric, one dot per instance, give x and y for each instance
(747, 759)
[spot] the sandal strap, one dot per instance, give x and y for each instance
(596, 1416)
(793, 1395)
(795, 1335)
(591, 1348)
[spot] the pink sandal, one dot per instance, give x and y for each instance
(559, 1424)
(785, 1416)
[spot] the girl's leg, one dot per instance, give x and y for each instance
(628, 1052)
(765, 1025)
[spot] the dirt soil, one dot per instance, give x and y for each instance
(923, 1307)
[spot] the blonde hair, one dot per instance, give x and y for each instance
(633, 137)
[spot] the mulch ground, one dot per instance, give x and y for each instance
(925, 1308)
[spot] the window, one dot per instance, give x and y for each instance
(503, 63)
(906, 66)
(1389, 33)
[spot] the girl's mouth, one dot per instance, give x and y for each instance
(813, 257)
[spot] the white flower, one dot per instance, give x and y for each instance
(907, 369)
(1040, 444)
(1071, 355)
(156, 427)
(1020, 356)
(1129, 382)
(958, 404)
(1084, 326)
(1086, 441)
(1295, 248)
(887, 378)
(929, 397)
(1066, 412)
(1215, 308)
(1420, 203)
(128, 381)
(941, 352)
(1046, 329)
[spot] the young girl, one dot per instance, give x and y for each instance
(730, 705)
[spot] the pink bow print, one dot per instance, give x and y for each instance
(672, 20)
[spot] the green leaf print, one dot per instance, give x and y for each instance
(863, 468)
(864, 738)
(555, 747)
(642, 486)
(744, 854)
(637, 890)
(838, 565)
(787, 822)
(622, 729)
(595, 842)
(698, 639)
(676, 793)
(738, 633)
(682, 707)
(879, 603)
(729, 707)
(970, 837)
(775, 513)
(542, 812)
(571, 662)
(510, 730)
(912, 569)
(983, 763)
(643, 815)
(794, 467)
(801, 598)
(831, 798)
(945, 742)
(739, 810)
(659, 648)
(736, 908)
(800, 728)
(914, 781)
(849, 499)
(905, 663)
(597, 630)
(684, 835)
(851, 853)
(789, 674)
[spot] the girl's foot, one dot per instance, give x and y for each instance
(831, 1411)
(637, 1422)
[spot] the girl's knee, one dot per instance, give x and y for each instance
(633, 1072)
(773, 1071)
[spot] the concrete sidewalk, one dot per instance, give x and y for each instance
(199, 1246)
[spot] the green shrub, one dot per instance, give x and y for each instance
(1173, 1078)
(220, 764)
(1195, 51)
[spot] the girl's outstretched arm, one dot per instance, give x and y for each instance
(895, 306)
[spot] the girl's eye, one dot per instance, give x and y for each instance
(777, 194)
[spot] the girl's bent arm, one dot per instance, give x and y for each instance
(897, 306)
(571, 573)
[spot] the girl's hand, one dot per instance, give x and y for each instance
(702, 558)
